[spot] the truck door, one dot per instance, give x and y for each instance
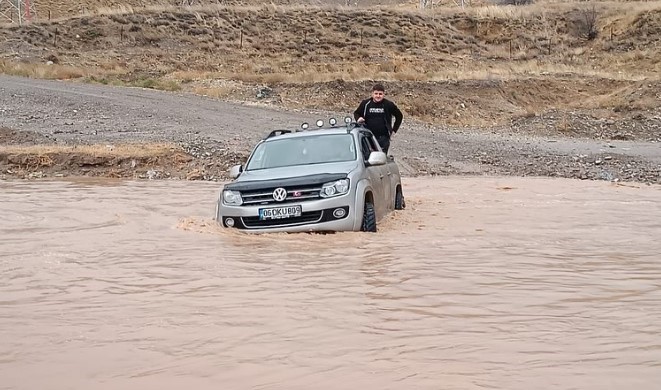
(388, 190)
(376, 174)
(389, 184)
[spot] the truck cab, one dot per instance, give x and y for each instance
(329, 178)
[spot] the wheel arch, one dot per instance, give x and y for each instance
(364, 192)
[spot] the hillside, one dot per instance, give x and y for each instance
(578, 69)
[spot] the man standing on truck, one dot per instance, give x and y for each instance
(377, 113)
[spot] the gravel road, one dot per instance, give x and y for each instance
(70, 112)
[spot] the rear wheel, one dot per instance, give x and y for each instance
(369, 218)
(400, 204)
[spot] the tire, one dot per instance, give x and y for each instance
(369, 218)
(400, 203)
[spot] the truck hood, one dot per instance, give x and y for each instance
(296, 175)
(296, 171)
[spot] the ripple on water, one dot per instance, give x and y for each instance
(480, 282)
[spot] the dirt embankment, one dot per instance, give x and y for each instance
(30, 155)
(66, 129)
(556, 90)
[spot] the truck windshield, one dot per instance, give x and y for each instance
(317, 149)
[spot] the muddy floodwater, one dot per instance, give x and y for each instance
(481, 283)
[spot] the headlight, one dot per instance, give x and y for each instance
(232, 198)
(334, 188)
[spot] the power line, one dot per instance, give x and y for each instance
(17, 11)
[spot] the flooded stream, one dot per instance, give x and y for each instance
(481, 283)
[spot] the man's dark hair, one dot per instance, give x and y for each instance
(378, 87)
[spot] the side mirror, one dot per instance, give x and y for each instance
(235, 171)
(377, 158)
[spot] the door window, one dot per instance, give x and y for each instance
(367, 145)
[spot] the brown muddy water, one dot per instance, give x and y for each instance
(481, 283)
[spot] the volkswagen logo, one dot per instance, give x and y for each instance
(279, 194)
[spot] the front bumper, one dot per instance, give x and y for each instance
(318, 215)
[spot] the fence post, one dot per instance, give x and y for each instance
(510, 49)
(241, 40)
(121, 33)
(361, 37)
(55, 37)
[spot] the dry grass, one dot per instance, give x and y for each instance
(471, 71)
(115, 151)
(215, 92)
(42, 71)
(540, 8)
(116, 10)
(60, 9)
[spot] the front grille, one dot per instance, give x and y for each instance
(294, 194)
(306, 217)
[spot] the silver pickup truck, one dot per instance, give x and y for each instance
(333, 178)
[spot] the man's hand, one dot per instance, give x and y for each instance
(360, 120)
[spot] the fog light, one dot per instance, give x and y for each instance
(339, 213)
(229, 222)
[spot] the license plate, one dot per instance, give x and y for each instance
(280, 212)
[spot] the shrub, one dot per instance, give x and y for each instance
(513, 2)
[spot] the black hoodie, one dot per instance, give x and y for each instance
(378, 116)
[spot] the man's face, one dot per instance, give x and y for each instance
(377, 96)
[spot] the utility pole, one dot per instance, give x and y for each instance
(17, 11)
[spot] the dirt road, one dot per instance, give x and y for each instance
(75, 113)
